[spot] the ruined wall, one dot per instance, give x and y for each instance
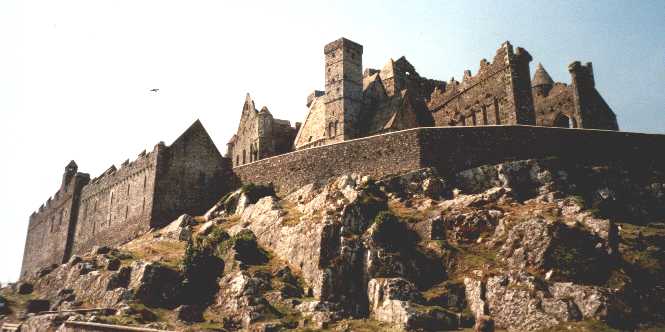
(449, 150)
(500, 93)
(191, 176)
(557, 102)
(50, 228)
(313, 130)
(259, 135)
(117, 205)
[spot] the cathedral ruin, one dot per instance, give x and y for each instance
(361, 102)
(407, 122)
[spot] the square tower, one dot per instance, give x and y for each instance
(343, 89)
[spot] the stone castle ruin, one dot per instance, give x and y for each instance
(366, 121)
(359, 103)
(189, 175)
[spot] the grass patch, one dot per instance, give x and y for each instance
(165, 251)
(292, 216)
(405, 213)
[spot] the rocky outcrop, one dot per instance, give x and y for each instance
(395, 301)
(518, 301)
(240, 298)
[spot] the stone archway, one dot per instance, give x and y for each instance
(564, 121)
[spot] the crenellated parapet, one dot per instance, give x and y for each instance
(499, 93)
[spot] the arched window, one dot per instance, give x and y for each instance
(564, 121)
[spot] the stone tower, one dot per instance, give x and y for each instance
(70, 172)
(584, 86)
(343, 68)
(542, 82)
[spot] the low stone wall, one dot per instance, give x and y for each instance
(451, 149)
(392, 153)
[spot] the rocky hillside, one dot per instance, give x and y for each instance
(520, 246)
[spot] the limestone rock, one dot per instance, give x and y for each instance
(394, 301)
(518, 301)
(429, 229)
(239, 297)
(180, 229)
(189, 313)
(207, 227)
(469, 226)
(321, 313)
(154, 284)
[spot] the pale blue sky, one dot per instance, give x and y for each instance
(75, 75)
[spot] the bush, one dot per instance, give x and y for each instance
(246, 248)
(201, 268)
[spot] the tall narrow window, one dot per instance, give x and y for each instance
(497, 116)
(473, 118)
(243, 156)
(484, 110)
(110, 209)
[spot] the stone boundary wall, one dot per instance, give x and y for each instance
(451, 149)
(375, 155)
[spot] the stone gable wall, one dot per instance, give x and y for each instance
(191, 176)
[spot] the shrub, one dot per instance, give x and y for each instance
(200, 268)
(246, 248)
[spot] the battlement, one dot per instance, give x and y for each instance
(113, 175)
(503, 58)
(342, 43)
(499, 93)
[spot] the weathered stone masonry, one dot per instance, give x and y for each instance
(50, 230)
(186, 177)
(450, 149)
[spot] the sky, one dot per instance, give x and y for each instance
(75, 76)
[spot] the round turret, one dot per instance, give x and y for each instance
(542, 83)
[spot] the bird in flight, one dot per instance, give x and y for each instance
(154, 90)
